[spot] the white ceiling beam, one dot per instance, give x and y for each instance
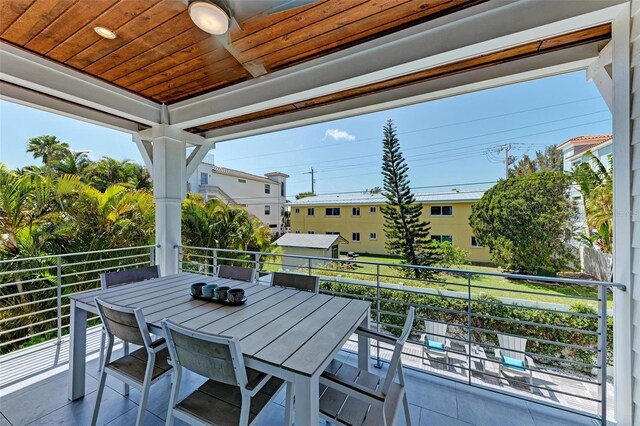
(489, 27)
(36, 73)
(30, 98)
(577, 58)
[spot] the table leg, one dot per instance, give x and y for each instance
(77, 351)
(307, 402)
(364, 346)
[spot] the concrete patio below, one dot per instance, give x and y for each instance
(33, 390)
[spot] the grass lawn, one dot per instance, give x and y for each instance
(497, 286)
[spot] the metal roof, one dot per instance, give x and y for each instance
(358, 198)
(317, 241)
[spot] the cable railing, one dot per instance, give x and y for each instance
(34, 292)
(565, 321)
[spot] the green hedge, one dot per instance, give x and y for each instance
(435, 307)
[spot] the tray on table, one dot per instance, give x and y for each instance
(219, 301)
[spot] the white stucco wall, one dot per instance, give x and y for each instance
(249, 194)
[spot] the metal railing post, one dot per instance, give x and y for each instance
(215, 261)
(469, 336)
(59, 295)
(602, 346)
(309, 267)
(256, 261)
(152, 256)
(378, 364)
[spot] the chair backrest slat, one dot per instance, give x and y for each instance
(436, 331)
(394, 364)
(236, 273)
(296, 281)
(124, 323)
(512, 346)
(112, 279)
(216, 357)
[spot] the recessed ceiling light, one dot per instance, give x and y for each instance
(209, 17)
(105, 32)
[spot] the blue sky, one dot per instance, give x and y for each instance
(446, 142)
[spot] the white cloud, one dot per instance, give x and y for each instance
(339, 135)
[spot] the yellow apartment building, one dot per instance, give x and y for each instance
(358, 219)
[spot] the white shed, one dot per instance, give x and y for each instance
(312, 245)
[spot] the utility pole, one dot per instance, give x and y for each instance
(313, 181)
(507, 160)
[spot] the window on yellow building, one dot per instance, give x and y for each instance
(297, 210)
(372, 236)
(311, 232)
(442, 238)
(355, 211)
(441, 210)
(475, 243)
(311, 211)
(372, 209)
(332, 211)
(355, 237)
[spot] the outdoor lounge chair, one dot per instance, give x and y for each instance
(237, 273)
(513, 359)
(435, 342)
(350, 396)
(233, 395)
(128, 276)
(140, 369)
(296, 281)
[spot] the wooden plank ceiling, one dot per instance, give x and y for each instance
(589, 35)
(160, 54)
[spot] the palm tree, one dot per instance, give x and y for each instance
(216, 225)
(73, 163)
(47, 147)
(596, 185)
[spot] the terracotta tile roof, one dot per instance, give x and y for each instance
(242, 175)
(590, 140)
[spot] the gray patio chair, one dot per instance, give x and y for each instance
(233, 395)
(118, 278)
(350, 396)
(237, 273)
(141, 368)
(296, 281)
(512, 352)
(435, 342)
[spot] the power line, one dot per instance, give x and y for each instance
(469, 138)
(482, 144)
(435, 127)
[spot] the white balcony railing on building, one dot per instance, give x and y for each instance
(567, 336)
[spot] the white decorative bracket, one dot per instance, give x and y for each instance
(144, 138)
(600, 73)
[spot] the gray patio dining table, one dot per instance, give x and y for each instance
(287, 333)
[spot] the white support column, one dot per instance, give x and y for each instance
(169, 189)
(163, 149)
(626, 336)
